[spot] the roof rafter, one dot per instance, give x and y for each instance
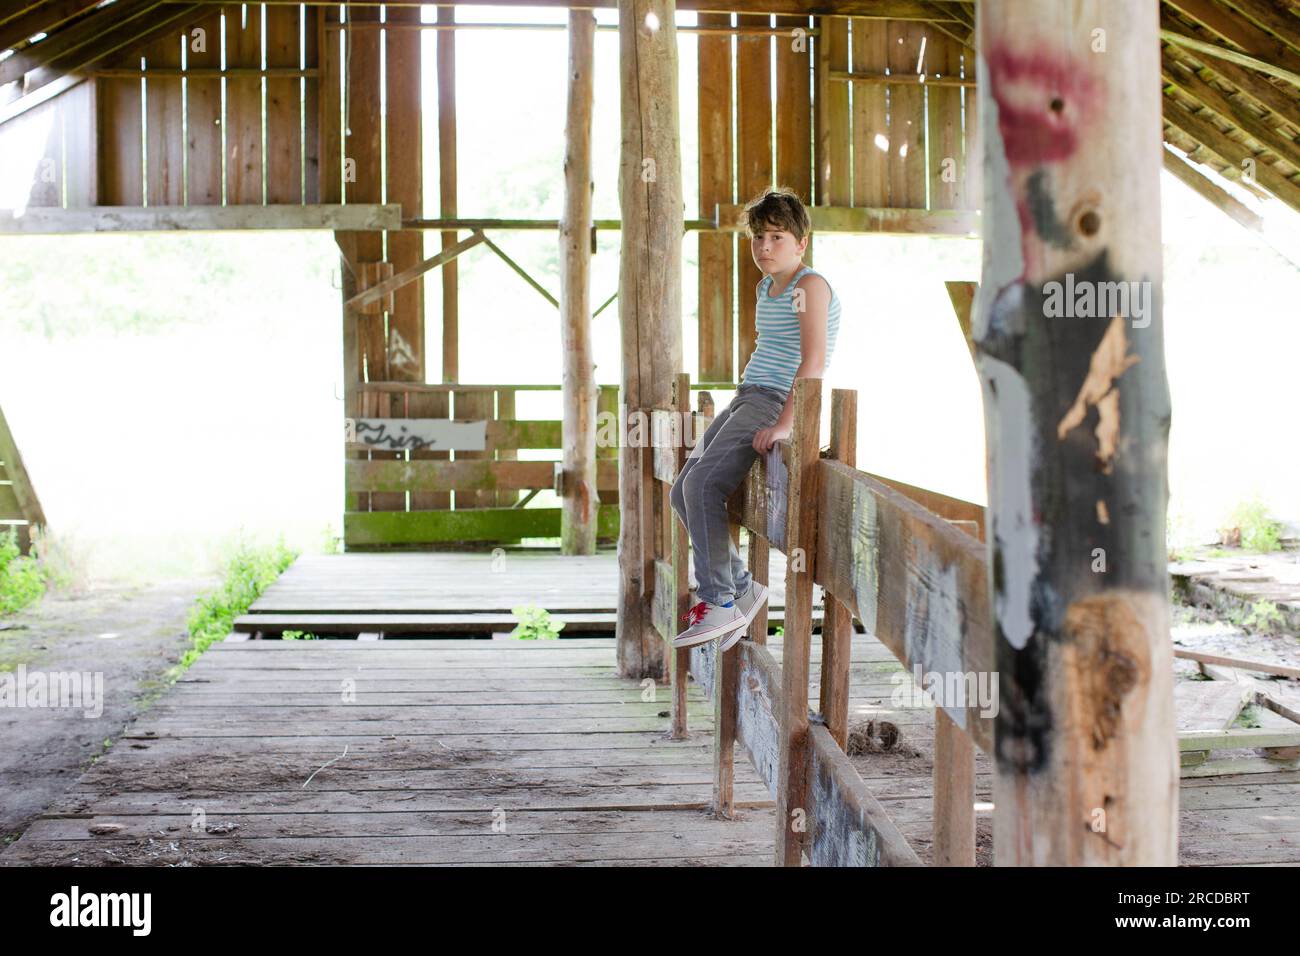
(42, 18)
(65, 42)
(1231, 110)
(1231, 152)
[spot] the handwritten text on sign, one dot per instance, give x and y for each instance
(397, 433)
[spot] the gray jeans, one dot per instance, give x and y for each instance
(714, 469)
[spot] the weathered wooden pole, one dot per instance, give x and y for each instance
(1070, 351)
(580, 500)
(649, 293)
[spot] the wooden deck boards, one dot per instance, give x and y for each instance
(448, 738)
(456, 593)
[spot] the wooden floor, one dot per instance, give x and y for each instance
(451, 593)
(471, 752)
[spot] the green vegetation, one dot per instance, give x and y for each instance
(1259, 532)
(297, 636)
(1261, 616)
(249, 572)
(535, 624)
(22, 579)
(331, 541)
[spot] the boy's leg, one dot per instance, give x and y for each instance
(705, 489)
(675, 492)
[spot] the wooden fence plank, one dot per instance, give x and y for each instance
(165, 144)
(913, 580)
(943, 123)
(907, 179)
(870, 116)
(244, 146)
(284, 174)
(372, 528)
(203, 140)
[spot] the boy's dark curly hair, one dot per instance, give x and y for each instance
(777, 208)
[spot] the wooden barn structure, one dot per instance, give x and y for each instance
(1033, 125)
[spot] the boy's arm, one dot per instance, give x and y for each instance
(815, 302)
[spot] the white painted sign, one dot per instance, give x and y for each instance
(395, 434)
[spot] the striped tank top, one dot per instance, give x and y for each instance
(776, 352)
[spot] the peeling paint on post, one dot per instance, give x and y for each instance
(1071, 357)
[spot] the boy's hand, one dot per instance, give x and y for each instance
(765, 438)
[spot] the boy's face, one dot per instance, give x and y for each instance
(775, 249)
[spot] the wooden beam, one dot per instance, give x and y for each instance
(962, 297)
(387, 528)
(67, 41)
(1212, 192)
(716, 273)
(41, 18)
(1275, 99)
(1077, 415)
(912, 579)
(1238, 30)
(578, 527)
(1232, 110)
(521, 272)
(650, 290)
(136, 36)
(1264, 14)
(875, 221)
(391, 285)
(1182, 38)
(463, 475)
(872, 9)
(1231, 152)
(43, 95)
(53, 220)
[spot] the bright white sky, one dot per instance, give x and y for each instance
(147, 448)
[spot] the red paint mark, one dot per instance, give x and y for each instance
(1044, 99)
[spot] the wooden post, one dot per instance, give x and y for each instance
(679, 557)
(578, 518)
(792, 819)
(1077, 415)
(837, 622)
(446, 47)
(650, 289)
(954, 793)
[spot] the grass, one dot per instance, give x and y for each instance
(22, 579)
(1259, 532)
(249, 572)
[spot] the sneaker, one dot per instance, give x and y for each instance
(708, 621)
(749, 603)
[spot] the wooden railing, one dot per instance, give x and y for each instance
(914, 575)
(20, 509)
(404, 498)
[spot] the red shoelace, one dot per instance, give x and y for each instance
(695, 614)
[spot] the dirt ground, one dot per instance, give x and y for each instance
(131, 635)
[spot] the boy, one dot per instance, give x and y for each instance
(796, 321)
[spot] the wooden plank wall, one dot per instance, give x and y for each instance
(835, 142)
(47, 149)
(162, 138)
